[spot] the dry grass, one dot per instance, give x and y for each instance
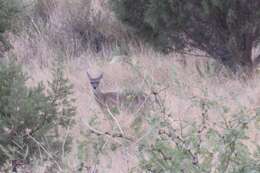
(184, 77)
(164, 72)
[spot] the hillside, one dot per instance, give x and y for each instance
(206, 119)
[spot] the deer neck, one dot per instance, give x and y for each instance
(99, 96)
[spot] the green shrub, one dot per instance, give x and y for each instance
(8, 10)
(201, 147)
(29, 117)
(226, 30)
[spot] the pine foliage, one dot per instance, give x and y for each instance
(8, 10)
(29, 116)
(226, 30)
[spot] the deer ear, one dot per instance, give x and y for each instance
(89, 75)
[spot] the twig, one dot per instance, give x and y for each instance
(113, 136)
(65, 139)
(195, 55)
(146, 134)
(141, 106)
(116, 121)
(35, 26)
(45, 150)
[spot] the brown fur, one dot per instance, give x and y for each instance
(130, 102)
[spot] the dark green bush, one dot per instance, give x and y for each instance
(226, 30)
(9, 10)
(29, 117)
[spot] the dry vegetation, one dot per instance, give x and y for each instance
(68, 29)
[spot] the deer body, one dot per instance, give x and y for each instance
(131, 102)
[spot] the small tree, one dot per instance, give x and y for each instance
(28, 116)
(60, 94)
(226, 30)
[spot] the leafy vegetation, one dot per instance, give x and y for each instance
(8, 11)
(201, 146)
(226, 30)
(198, 122)
(29, 117)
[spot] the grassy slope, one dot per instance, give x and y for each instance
(182, 79)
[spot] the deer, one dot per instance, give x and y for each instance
(116, 101)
